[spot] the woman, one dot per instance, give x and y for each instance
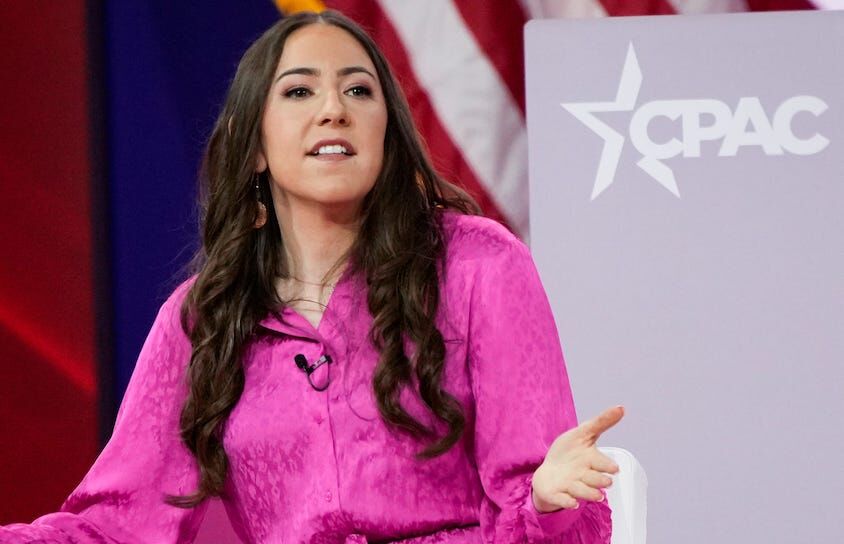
(359, 358)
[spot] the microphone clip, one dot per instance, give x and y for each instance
(303, 365)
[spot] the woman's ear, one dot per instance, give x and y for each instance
(260, 162)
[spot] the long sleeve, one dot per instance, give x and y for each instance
(522, 401)
(121, 499)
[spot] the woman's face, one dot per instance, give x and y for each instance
(324, 121)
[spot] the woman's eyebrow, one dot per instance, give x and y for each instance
(315, 72)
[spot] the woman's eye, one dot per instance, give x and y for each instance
(360, 90)
(298, 92)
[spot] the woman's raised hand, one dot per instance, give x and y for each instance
(573, 467)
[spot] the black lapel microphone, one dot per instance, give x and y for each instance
(308, 369)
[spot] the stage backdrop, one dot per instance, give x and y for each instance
(48, 374)
(687, 218)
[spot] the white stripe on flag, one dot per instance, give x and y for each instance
(555, 9)
(708, 6)
(470, 99)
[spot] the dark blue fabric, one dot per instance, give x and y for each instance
(168, 65)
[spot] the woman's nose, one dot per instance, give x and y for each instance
(333, 111)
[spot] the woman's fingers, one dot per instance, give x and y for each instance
(600, 462)
(599, 424)
(574, 463)
(596, 479)
(557, 500)
(580, 490)
(564, 500)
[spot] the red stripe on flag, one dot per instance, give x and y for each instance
(499, 30)
(447, 158)
(637, 7)
(779, 5)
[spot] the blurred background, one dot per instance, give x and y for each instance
(104, 111)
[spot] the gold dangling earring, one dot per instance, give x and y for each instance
(261, 217)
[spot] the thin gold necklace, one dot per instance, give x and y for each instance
(313, 283)
(327, 296)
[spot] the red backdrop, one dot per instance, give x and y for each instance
(48, 404)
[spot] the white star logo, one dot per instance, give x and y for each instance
(625, 100)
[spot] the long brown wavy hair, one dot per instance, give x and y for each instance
(399, 249)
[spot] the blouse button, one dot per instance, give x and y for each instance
(328, 496)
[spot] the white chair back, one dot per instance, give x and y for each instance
(628, 498)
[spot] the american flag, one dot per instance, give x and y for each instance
(461, 65)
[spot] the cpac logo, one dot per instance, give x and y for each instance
(774, 137)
